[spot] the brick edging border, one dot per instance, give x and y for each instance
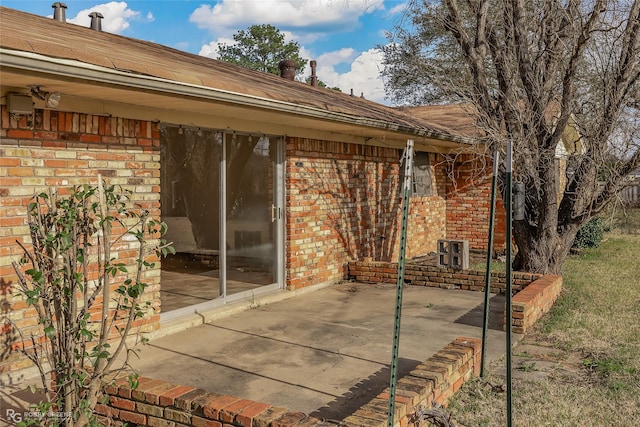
(163, 404)
(535, 295)
(533, 301)
(433, 381)
(437, 277)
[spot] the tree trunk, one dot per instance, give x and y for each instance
(537, 253)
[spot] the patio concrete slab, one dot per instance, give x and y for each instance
(326, 352)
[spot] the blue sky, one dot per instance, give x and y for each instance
(340, 34)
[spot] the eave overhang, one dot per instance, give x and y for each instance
(107, 91)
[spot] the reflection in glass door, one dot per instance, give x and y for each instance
(252, 213)
(190, 201)
(222, 198)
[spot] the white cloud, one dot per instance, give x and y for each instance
(311, 16)
(117, 16)
(305, 53)
(210, 49)
(346, 54)
(363, 76)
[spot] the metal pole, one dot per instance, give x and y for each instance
(487, 274)
(406, 192)
(508, 206)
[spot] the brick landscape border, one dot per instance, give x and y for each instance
(535, 295)
(433, 381)
(433, 276)
(533, 301)
(163, 404)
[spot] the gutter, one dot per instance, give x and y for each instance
(21, 60)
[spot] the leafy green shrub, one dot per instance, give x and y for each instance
(590, 235)
(69, 277)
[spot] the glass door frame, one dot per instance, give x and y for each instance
(279, 230)
(278, 215)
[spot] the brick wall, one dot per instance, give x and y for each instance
(468, 203)
(61, 150)
(343, 203)
(159, 403)
(429, 275)
(427, 215)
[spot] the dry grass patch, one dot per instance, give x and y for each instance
(552, 402)
(588, 373)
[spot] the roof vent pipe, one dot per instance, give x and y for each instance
(96, 21)
(314, 78)
(59, 13)
(287, 69)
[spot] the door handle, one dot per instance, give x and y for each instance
(276, 213)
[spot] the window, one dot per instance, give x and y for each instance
(422, 184)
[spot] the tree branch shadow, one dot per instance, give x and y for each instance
(361, 198)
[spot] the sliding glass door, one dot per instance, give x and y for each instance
(253, 212)
(222, 198)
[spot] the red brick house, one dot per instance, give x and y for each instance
(267, 184)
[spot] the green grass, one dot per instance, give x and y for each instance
(497, 266)
(593, 330)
